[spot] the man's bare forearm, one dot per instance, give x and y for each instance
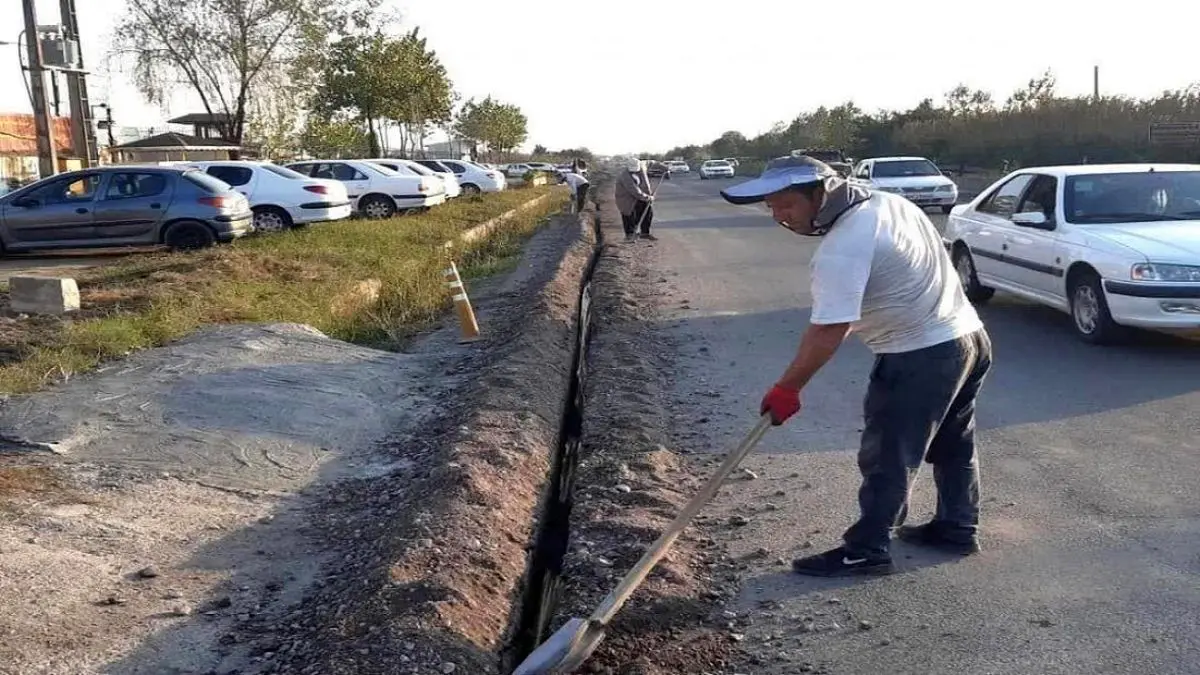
(819, 345)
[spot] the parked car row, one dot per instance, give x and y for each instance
(192, 204)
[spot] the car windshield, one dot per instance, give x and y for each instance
(1142, 196)
(437, 167)
(284, 171)
(905, 168)
(209, 184)
(717, 163)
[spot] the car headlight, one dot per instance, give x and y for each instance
(946, 188)
(1165, 272)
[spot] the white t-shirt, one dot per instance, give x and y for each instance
(884, 269)
(574, 180)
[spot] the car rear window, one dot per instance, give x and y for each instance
(418, 169)
(384, 170)
(436, 166)
(283, 171)
(209, 184)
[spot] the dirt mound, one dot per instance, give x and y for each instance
(264, 499)
(630, 484)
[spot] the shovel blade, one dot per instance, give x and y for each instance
(565, 650)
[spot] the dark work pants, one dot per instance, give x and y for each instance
(631, 221)
(581, 197)
(920, 405)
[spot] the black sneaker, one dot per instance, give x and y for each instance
(938, 536)
(629, 236)
(841, 563)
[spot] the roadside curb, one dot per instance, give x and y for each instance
(485, 228)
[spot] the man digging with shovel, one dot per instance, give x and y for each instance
(881, 271)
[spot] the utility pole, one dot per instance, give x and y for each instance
(1096, 82)
(43, 124)
(83, 134)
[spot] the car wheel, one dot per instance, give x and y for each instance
(271, 219)
(377, 207)
(470, 189)
(188, 235)
(964, 264)
(1089, 311)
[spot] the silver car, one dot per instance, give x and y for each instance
(123, 206)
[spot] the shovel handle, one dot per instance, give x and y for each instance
(619, 595)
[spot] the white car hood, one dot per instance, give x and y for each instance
(1174, 241)
(911, 181)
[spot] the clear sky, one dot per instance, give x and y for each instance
(633, 75)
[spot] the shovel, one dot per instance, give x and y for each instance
(569, 646)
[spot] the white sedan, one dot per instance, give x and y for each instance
(280, 198)
(412, 168)
(915, 178)
(1114, 245)
(716, 168)
(377, 191)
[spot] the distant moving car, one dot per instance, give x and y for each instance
(377, 191)
(474, 178)
(181, 207)
(916, 178)
(836, 159)
(1114, 245)
(656, 169)
(716, 168)
(678, 166)
(281, 198)
(410, 167)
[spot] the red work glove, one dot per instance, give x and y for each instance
(782, 402)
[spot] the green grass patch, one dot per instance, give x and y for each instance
(369, 282)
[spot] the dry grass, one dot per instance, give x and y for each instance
(323, 276)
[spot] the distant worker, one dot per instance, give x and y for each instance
(634, 198)
(579, 189)
(882, 272)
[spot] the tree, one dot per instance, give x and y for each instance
(219, 49)
(1035, 126)
(374, 77)
(502, 126)
(333, 137)
(962, 100)
(730, 144)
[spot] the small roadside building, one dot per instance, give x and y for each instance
(172, 147)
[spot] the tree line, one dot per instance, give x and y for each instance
(1035, 125)
(286, 76)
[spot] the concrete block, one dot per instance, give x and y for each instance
(43, 295)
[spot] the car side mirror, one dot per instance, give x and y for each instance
(1035, 219)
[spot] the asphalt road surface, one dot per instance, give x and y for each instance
(1090, 460)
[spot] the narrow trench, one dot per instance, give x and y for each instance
(543, 578)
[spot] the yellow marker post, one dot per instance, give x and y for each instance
(462, 305)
